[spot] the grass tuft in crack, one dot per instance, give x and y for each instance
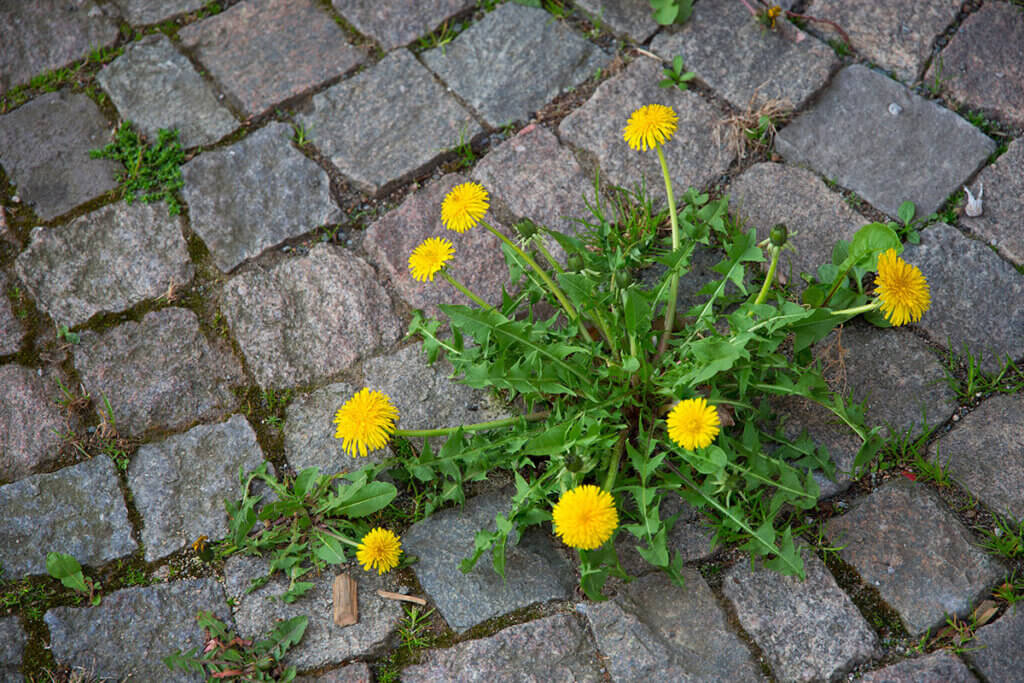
(152, 171)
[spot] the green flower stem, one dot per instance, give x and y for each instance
(673, 292)
(763, 294)
(475, 427)
(595, 315)
(857, 310)
(613, 466)
(547, 254)
(465, 290)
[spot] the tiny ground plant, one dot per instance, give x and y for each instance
(965, 376)
(675, 75)
(152, 171)
(68, 571)
(1006, 539)
(668, 12)
(1010, 591)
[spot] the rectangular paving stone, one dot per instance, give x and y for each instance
(398, 22)
(12, 329)
(257, 193)
(32, 424)
(745, 63)
(153, 11)
(387, 123)
(154, 86)
(12, 649)
(493, 64)
(267, 51)
(808, 630)
(317, 315)
(632, 18)
(995, 651)
(105, 261)
(1003, 204)
(877, 138)
(44, 150)
(356, 672)
(596, 128)
(941, 666)
(127, 636)
(924, 563)
(47, 34)
(78, 510)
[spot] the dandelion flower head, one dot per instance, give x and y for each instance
(429, 257)
(585, 517)
(773, 13)
(379, 549)
(650, 126)
(902, 289)
(693, 423)
(464, 206)
(365, 422)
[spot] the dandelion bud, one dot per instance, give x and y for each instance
(778, 235)
(526, 228)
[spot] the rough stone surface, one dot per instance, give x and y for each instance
(78, 510)
(997, 656)
(154, 86)
(896, 35)
(105, 261)
(853, 136)
(596, 127)
(388, 123)
(1003, 204)
(238, 213)
(47, 34)
(938, 667)
(180, 484)
(153, 11)
(478, 261)
(825, 430)
(985, 453)
(766, 194)
(259, 52)
(983, 65)
(357, 672)
(690, 537)
(913, 550)
(31, 422)
(872, 364)
(628, 17)
(534, 571)
(509, 83)
(44, 149)
(127, 636)
(963, 275)
(742, 61)
(808, 630)
(12, 648)
(654, 630)
(318, 314)
(159, 373)
(324, 643)
(554, 648)
(12, 330)
(399, 22)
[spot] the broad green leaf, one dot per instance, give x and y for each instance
(286, 634)
(328, 548)
(366, 500)
(305, 480)
(906, 212)
(67, 570)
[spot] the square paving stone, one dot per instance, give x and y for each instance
(127, 636)
(596, 127)
(534, 569)
(154, 86)
(12, 329)
(44, 149)
(977, 298)
(32, 425)
(255, 194)
(938, 667)
(159, 373)
(357, 672)
(12, 649)
(387, 123)
(317, 315)
(631, 18)
(180, 484)
(655, 630)
(478, 262)
(105, 261)
(398, 22)
(550, 648)
(905, 543)
(153, 11)
(983, 65)
(1003, 202)
(78, 510)
(766, 194)
(323, 643)
(808, 630)
(494, 67)
(264, 52)
(896, 35)
(986, 453)
(46, 34)
(995, 651)
(745, 63)
(877, 138)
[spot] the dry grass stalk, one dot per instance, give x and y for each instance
(742, 132)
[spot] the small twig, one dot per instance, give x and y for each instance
(398, 596)
(808, 17)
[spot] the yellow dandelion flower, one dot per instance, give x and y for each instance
(585, 517)
(902, 289)
(650, 126)
(430, 257)
(365, 422)
(773, 13)
(464, 206)
(693, 423)
(379, 549)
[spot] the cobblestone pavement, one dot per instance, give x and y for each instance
(321, 137)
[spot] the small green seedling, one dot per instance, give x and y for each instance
(152, 171)
(68, 571)
(668, 12)
(676, 76)
(67, 335)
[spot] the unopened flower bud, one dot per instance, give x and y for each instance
(526, 228)
(778, 235)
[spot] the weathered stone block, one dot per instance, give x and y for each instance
(399, 22)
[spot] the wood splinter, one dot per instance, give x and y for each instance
(346, 600)
(399, 596)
